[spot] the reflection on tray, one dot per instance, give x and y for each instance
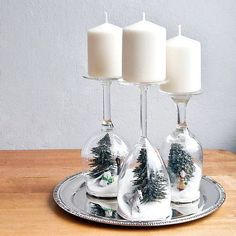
(107, 207)
(98, 210)
(186, 209)
(71, 196)
(102, 207)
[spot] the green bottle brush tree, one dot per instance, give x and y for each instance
(102, 160)
(152, 184)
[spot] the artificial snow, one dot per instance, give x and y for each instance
(94, 188)
(158, 210)
(191, 192)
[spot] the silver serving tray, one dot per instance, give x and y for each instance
(70, 195)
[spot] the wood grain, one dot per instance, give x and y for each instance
(27, 208)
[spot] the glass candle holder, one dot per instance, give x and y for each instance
(104, 151)
(183, 156)
(144, 186)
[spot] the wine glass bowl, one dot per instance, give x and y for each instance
(144, 186)
(183, 156)
(104, 153)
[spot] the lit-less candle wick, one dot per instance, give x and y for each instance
(144, 16)
(179, 27)
(106, 16)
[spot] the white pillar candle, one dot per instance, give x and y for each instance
(105, 51)
(144, 52)
(183, 65)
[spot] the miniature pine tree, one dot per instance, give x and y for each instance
(180, 160)
(102, 160)
(152, 186)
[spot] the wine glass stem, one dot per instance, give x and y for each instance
(143, 110)
(106, 122)
(181, 105)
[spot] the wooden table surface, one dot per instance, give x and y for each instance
(27, 179)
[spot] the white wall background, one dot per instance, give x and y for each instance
(44, 103)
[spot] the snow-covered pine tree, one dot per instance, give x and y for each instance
(153, 186)
(179, 160)
(102, 160)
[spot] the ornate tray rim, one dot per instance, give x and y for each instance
(123, 222)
